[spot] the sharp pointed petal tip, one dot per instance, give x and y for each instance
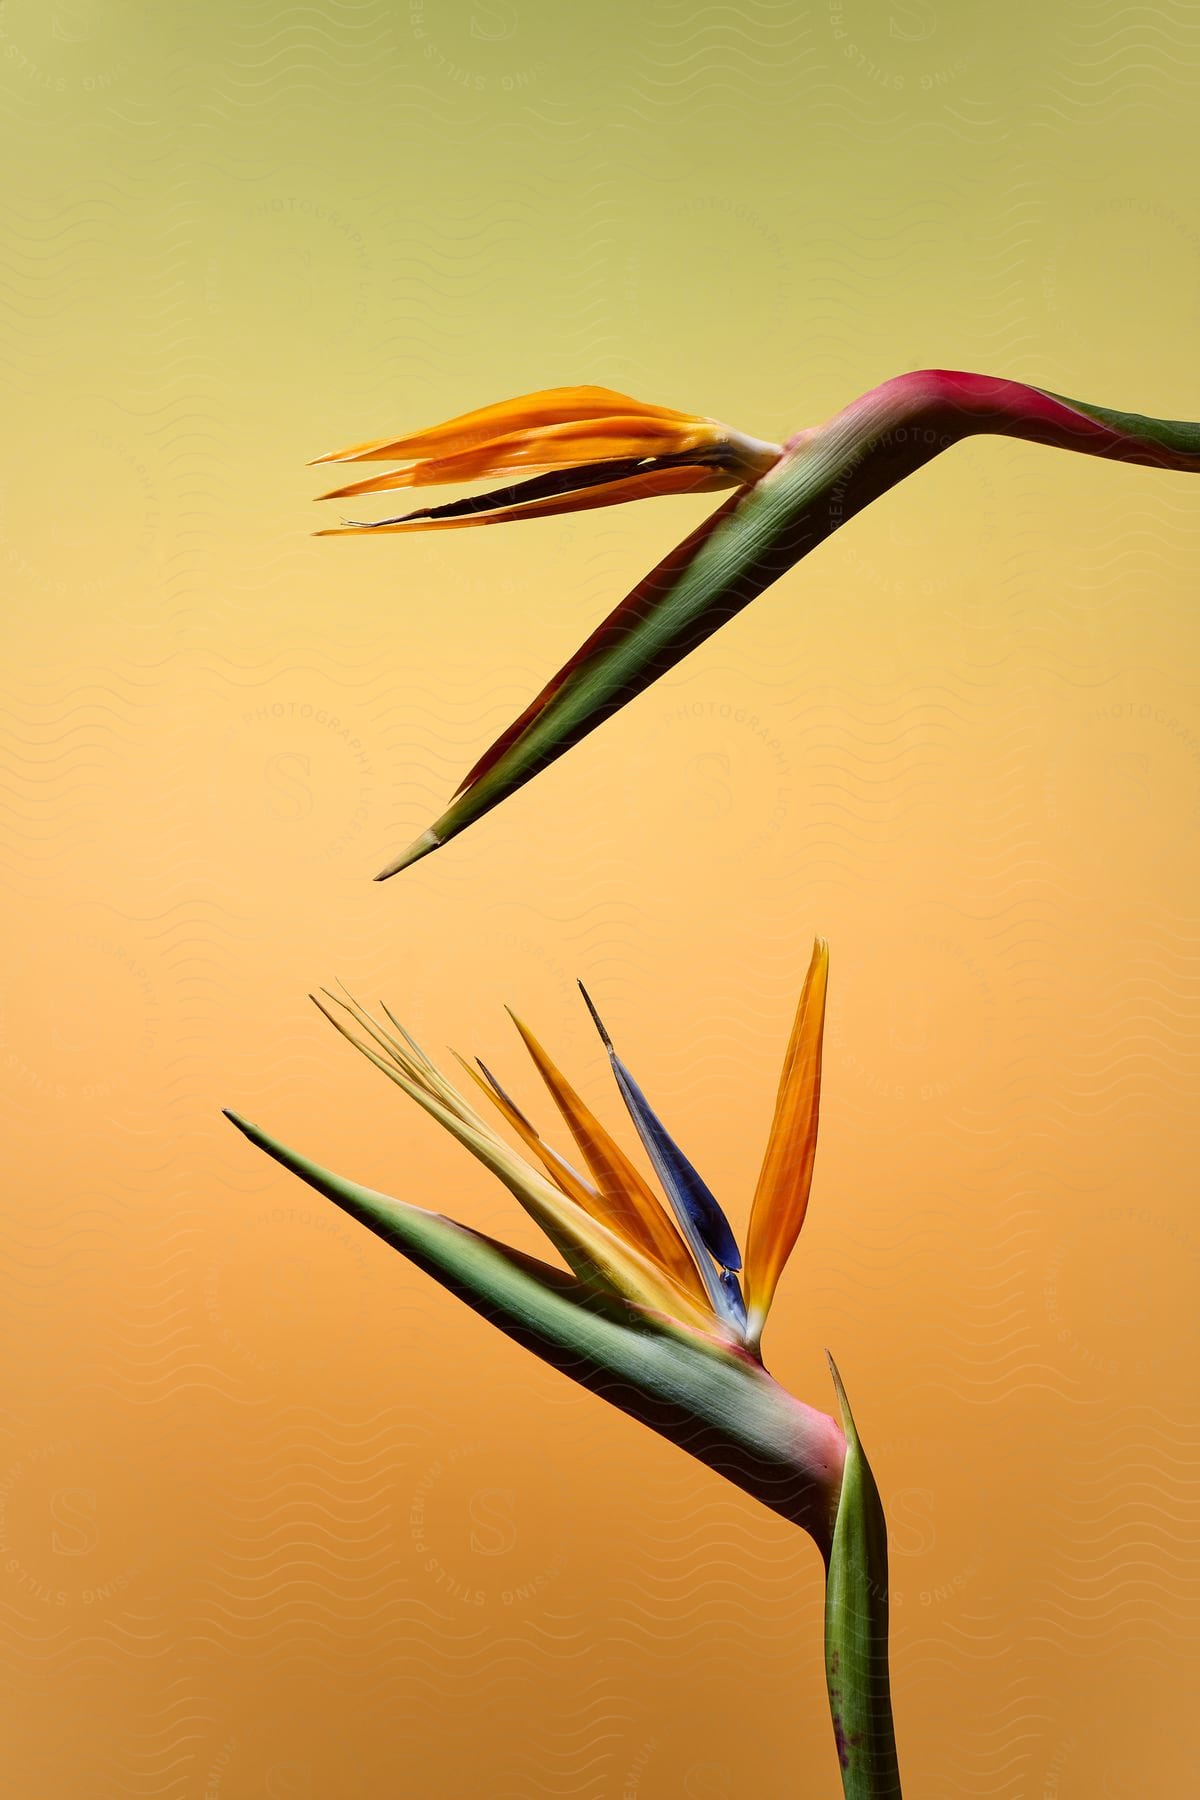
(422, 846)
(597, 1021)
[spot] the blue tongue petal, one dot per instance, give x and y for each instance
(700, 1217)
(733, 1293)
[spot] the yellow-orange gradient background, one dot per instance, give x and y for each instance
(278, 1518)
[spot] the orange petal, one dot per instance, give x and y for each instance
(551, 447)
(686, 479)
(781, 1198)
(550, 406)
(558, 1169)
(625, 1201)
(589, 1245)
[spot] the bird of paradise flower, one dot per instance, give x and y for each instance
(568, 449)
(658, 1313)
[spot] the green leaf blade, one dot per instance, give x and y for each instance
(856, 1629)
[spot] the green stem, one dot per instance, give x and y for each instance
(856, 1629)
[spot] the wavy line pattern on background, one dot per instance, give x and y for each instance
(236, 233)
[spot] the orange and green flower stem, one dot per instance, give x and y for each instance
(788, 500)
(677, 1352)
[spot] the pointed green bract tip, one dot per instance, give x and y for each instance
(422, 846)
(843, 1402)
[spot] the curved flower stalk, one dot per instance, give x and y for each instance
(585, 447)
(657, 1312)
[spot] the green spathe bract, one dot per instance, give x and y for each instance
(823, 477)
(631, 1319)
(720, 1406)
